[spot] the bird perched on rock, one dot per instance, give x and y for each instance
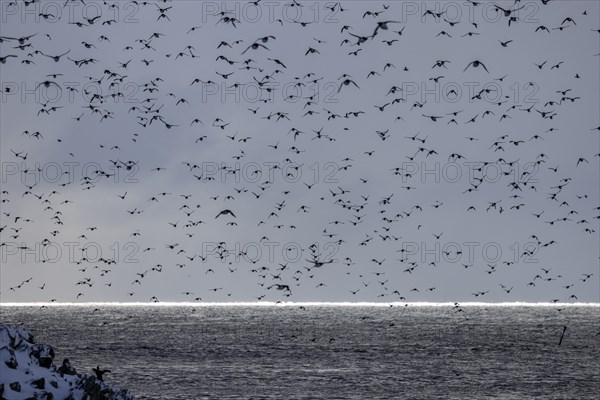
(99, 372)
(66, 369)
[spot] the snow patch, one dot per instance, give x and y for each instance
(27, 371)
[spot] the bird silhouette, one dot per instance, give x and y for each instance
(321, 138)
(99, 372)
(225, 212)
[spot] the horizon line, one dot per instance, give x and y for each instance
(298, 304)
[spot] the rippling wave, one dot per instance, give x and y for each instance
(328, 351)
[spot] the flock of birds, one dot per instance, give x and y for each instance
(249, 171)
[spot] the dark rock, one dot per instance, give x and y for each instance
(12, 363)
(11, 340)
(15, 386)
(54, 384)
(48, 396)
(94, 389)
(45, 362)
(1, 390)
(39, 383)
(8, 355)
(91, 388)
(43, 353)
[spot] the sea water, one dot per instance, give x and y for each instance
(318, 351)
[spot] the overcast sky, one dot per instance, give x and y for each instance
(399, 218)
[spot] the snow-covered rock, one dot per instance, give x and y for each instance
(27, 371)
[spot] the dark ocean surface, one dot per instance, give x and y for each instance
(328, 352)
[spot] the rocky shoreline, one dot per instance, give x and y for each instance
(28, 371)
